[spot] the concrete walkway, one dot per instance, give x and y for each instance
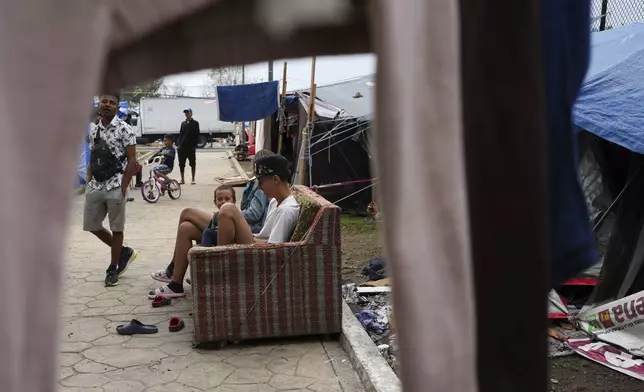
(95, 358)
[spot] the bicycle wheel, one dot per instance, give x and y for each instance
(174, 189)
(150, 191)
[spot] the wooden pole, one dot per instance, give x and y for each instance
(281, 112)
(308, 129)
(306, 136)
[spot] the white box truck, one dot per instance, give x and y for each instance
(160, 116)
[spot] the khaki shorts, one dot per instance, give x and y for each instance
(100, 203)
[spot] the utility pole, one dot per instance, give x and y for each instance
(270, 71)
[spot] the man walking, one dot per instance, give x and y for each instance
(188, 140)
(112, 162)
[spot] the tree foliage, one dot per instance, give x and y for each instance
(152, 89)
(225, 76)
(177, 90)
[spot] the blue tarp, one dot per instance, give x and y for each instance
(83, 161)
(124, 109)
(247, 102)
(611, 101)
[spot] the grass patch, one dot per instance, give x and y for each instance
(360, 243)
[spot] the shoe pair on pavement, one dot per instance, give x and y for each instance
(112, 274)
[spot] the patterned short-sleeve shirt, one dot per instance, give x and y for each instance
(118, 136)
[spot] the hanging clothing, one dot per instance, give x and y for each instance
(565, 38)
(248, 102)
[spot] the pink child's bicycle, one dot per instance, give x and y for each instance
(155, 187)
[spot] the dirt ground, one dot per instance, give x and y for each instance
(361, 243)
(577, 374)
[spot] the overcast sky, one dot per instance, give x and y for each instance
(328, 69)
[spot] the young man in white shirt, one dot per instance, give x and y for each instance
(273, 173)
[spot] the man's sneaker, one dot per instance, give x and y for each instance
(111, 278)
(127, 257)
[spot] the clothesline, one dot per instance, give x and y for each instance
(316, 187)
(327, 135)
(354, 193)
(340, 141)
(332, 129)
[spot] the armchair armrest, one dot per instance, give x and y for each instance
(199, 252)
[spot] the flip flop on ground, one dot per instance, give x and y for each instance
(135, 327)
(161, 301)
(176, 324)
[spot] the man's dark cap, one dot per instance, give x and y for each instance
(272, 165)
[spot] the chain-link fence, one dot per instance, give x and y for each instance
(608, 14)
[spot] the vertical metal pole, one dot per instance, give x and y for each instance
(602, 21)
(270, 71)
(242, 134)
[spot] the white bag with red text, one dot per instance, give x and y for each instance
(620, 323)
(609, 356)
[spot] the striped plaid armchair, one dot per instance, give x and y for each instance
(272, 290)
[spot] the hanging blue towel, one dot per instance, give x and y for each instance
(247, 102)
(565, 32)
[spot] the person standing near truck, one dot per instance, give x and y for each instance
(188, 139)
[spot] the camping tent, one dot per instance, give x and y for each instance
(83, 161)
(610, 110)
(610, 107)
(611, 102)
(338, 154)
(83, 156)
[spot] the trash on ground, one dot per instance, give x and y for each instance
(377, 283)
(373, 321)
(374, 312)
(373, 290)
(232, 181)
(375, 269)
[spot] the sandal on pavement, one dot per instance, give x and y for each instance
(160, 301)
(164, 291)
(176, 324)
(160, 276)
(135, 327)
